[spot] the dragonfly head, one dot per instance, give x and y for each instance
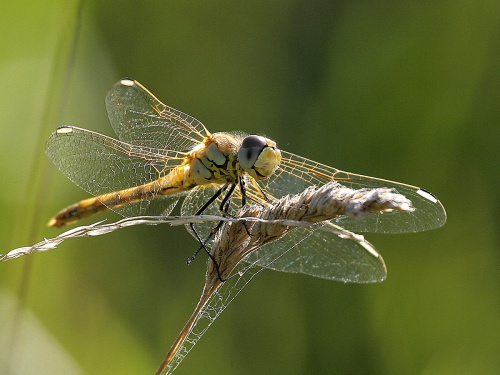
(259, 156)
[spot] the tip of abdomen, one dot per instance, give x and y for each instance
(53, 223)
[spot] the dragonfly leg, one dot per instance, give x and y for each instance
(224, 206)
(207, 251)
(243, 191)
(199, 212)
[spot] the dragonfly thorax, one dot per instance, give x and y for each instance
(213, 161)
(223, 158)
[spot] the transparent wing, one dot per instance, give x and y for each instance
(312, 251)
(139, 118)
(296, 173)
(100, 164)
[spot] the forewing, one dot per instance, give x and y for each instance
(139, 118)
(296, 173)
(100, 164)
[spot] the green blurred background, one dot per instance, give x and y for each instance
(404, 90)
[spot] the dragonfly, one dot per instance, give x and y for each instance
(162, 155)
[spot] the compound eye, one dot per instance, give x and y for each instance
(250, 149)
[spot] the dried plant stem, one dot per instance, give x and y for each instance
(257, 226)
